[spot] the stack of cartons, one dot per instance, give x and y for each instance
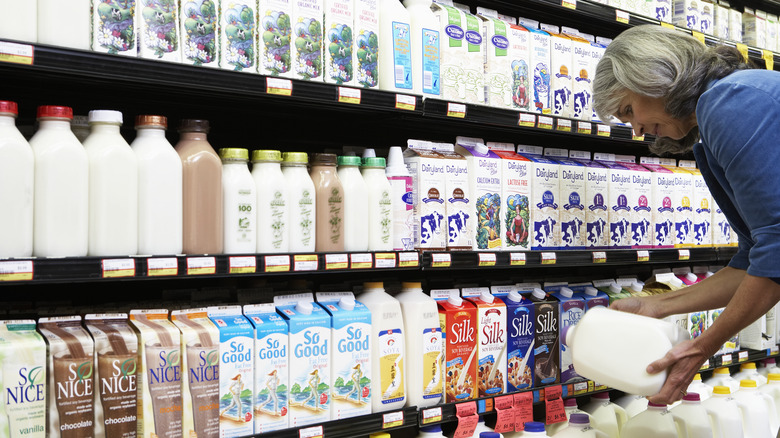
(596, 196)
(545, 194)
(515, 197)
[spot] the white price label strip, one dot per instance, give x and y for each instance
(16, 270)
(405, 102)
(517, 259)
(441, 260)
(549, 258)
(599, 257)
(431, 415)
(279, 263)
(384, 260)
(361, 261)
(487, 259)
(310, 432)
(306, 262)
(643, 256)
(393, 419)
(336, 261)
(162, 266)
(349, 95)
(201, 265)
(278, 86)
(408, 260)
(242, 265)
(113, 268)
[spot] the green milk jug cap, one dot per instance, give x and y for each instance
(374, 162)
(349, 160)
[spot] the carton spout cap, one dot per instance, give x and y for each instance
(304, 307)
(615, 288)
(538, 294)
(481, 148)
(566, 292)
(515, 296)
(486, 297)
(395, 159)
(455, 301)
(347, 303)
(691, 277)
(591, 291)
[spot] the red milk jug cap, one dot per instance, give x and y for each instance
(63, 112)
(8, 107)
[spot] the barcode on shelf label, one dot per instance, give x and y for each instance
(684, 254)
(743, 356)
(487, 259)
(16, 53)
(361, 261)
(603, 130)
(441, 260)
(278, 86)
(162, 266)
(114, 268)
(277, 263)
(393, 419)
(310, 432)
(384, 260)
(584, 127)
(431, 415)
(527, 120)
(622, 16)
(774, 350)
(349, 95)
(305, 262)
(201, 265)
(16, 270)
(549, 258)
(564, 125)
(408, 259)
(242, 265)
(405, 102)
(599, 257)
(456, 110)
(544, 122)
(336, 261)
(517, 259)
(643, 256)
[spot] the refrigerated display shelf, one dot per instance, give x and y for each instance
(352, 427)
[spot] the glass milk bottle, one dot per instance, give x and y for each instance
(202, 189)
(239, 202)
(61, 199)
(159, 188)
(302, 229)
(355, 204)
(16, 186)
(19, 20)
(330, 203)
(64, 23)
(380, 205)
(113, 188)
(273, 202)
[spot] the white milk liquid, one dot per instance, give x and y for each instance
(16, 191)
(301, 201)
(355, 207)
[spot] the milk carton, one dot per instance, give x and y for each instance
(458, 319)
(706, 22)
(113, 27)
(200, 362)
(498, 62)
(686, 14)
(753, 28)
(572, 189)
(701, 206)
(271, 367)
(545, 196)
(721, 229)
(515, 195)
(427, 169)
(339, 49)
(733, 343)
(772, 32)
(236, 370)
(597, 51)
(546, 342)
(351, 360)
(571, 309)
(306, 39)
(663, 11)
(474, 68)
(238, 35)
(275, 37)
(561, 83)
(641, 201)
(594, 298)
(721, 21)
(662, 194)
(491, 341)
(458, 202)
(582, 76)
(366, 42)
(681, 202)
(485, 187)
(595, 198)
(453, 51)
(200, 33)
(23, 359)
(310, 362)
(520, 62)
(520, 341)
(735, 25)
(158, 30)
(541, 62)
(619, 212)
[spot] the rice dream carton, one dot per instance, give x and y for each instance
(572, 189)
(595, 198)
(306, 43)
(339, 43)
(515, 197)
(571, 308)
(458, 321)
(366, 42)
(427, 169)
(485, 187)
(453, 50)
(498, 68)
(458, 202)
(561, 83)
(663, 214)
(274, 35)
(641, 201)
(491, 341)
(541, 63)
(113, 27)
(545, 196)
(158, 29)
(24, 376)
(520, 341)
(520, 63)
(701, 205)
(686, 14)
(618, 202)
(681, 202)
(200, 36)
(238, 35)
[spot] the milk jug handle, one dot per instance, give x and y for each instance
(682, 431)
(772, 408)
(622, 416)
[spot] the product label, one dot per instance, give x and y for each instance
(491, 343)
(351, 365)
(403, 212)
(460, 336)
(310, 350)
(271, 368)
(572, 187)
(433, 357)
(276, 208)
(391, 365)
(339, 19)
(335, 208)
(431, 61)
(520, 341)
(545, 211)
(402, 55)
(385, 217)
(366, 42)
(306, 224)
(200, 41)
(23, 380)
(546, 346)
(158, 30)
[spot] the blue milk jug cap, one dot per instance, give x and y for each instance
(432, 428)
(489, 435)
(579, 419)
(534, 426)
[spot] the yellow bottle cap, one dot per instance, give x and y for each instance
(723, 370)
(748, 366)
(697, 377)
(418, 285)
(747, 383)
(775, 377)
(379, 435)
(373, 285)
(234, 154)
(266, 155)
(721, 390)
(295, 157)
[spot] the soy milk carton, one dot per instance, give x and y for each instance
(686, 14)
(236, 371)
(545, 198)
(351, 362)
(582, 76)
(541, 62)
(520, 341)
(427, 169)
(366, 42)
(200, 36)
(453, 51)
(594, 298)
(640, 202)
(561, 74)
(701, 206)
(275, 37)
(572, 189)
(271, 367)
(306, 42)
(238, 35)
(458, 320)
(520, 62)
(458, 202)
(498, 68)
(484, 173)
(595, 198)
(546, 342)
(158, 29)
(618, 202)
(571, 309)
(681, 203)
(339, 45)
(663, 214)
(310, 362)
(113, 27)
(491, 341)
(721, 229)
(515, 197)
(23, 359)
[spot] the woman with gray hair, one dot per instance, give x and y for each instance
(692, 97)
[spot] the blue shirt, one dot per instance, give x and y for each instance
(739, 157)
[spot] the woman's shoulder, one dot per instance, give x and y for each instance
(767, 81)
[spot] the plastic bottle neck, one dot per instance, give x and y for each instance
(202, 136)
(266, 165)
(59, 124)
(235, 163)
(104, 128)
(150, 132)
(7, 121)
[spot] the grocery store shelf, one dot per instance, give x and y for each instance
(353, 427)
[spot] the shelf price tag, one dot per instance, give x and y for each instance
(16, 53)
(456, 110)
(524, 409)
(505, 418)
(667, 25)
(336, 261)
(622, 16)
(16, 271)
(201, 265)
(393, 419)
(643, 256)
(310, 432)
(584, 128)
(549, 258)
(603, 130)
(246, 265)
(564, 125)
(571, 4)
(637, 137)
(431, 415)
(361, 261)
(553, 405)
(487, 259)
(743, 49)
(599, 257)
(684, 254)
(467, 419)
(774, 350)
(544, 122)
(725, 359)
(349, 95)
(408, 260)
(742, 356)
(579, 388)
(163, 266)
(699, 36)
(526, 119)
(278, 86)
(384, 260)
(277, 263)
(441, 260)
(305, 262)
(405, 102)
(114, 268)
(769, 58)
(517, 259)
(705, 365)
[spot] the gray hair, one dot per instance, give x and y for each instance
(663, 63)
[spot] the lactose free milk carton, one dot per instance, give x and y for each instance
(275, 38)
(641, 201)
(571, 309)
(491, 341)
(23, 359)
(515, 197)
(545, 198)
(681, 203)
(561, 83)
(458, 202)
(485, 187)
(701, 205)
(271, 367)
(541, 69)
(453, 50)
(306, 43)
(427, 169)
(498, 60)
(520, 341)
(238, 35)
(572, 189)
(351, 361)
(686, 14)
(113, 27)
(310, 362)
(236, 372)
(594, 200)
(339, 42)
(458, 320)
(158, 30)
(366, 42)
(721, 229)
(618, 202)
(522, 70)
(663, 213)
(200, 36)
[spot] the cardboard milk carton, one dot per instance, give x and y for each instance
(23, 359)
(571, 308)
(597, 51)
(582, 76)
(158, 30)
(238, 35)
(701, 205)
(561, 83)
(546, 348)
(706, 21)
(498, 64)
(485, 187)
(366, 42)
(458, 202)
(541, 66)
(114, 28)
(474, 68)
(339, 46)
(686, 14)
(427, 169)
(663, 213)
(735, 25)
(200, 36)
(520, 62)
(732, 344)
(594, 298)
(515, 196)
(520, 341)
(681, 202)
(275, 38)
(641, 202)
(721, 229)
(721, 21)
(491, 341)
(663, 11)
(572, 188)
(754, 28)
(306, 39)
(545, 198)
(618, 202)
(458, 320)
(236, 370)
(310, 359)
(351, 362)
(453, 50)
(595, 198)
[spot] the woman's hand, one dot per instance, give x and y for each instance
(647, 306)
(683, 361)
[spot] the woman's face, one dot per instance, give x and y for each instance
(647, 116)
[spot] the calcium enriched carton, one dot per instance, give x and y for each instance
(572, 189)
(458, 320)
(520, 62)
(310, 359)
(23, 362)
(641, 202)
(491, 341)
(545, 198)
(158, 30)
(200, 36)
(618, 202)
(485, 187)
(238, 35)
(458, 202)
(339, 45)
(515, 197)
(701, 205)
(351, 362)
(306, 37)
(498, 68)
(427, 169)
(595, 198)
(274, 38)
(272, 363)
(663, 213)
(561, 83)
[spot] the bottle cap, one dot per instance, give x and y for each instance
(692, 396)
(455, 301)
(691, 277)
(615, 288)
(747, 383)
(566, 292)
(324, 160)
(636, 287)
(697, 377)
(149, 120)
(581, 419)
(237, 154)
(411, 285)
(368, 153)
(105, 116)
(655, 405)
(570, 403)
(486, 297)
(266, 155)
(304, 307)
(373, 285)
(7, 107)
(722, 370)
(489, 435)
(515, 296)
(481, 149)
(295, 157)
(347, 303)
(747, 366)
(773, 377)
(194, 125)
(430, 429)
(601, 396)
(591, 291)
(721, 390)
(377, 162)
(534, 426)
(57, 112)
(538, 293)
(349, 160)
(708, 274)
(676, 282)
(395, 160)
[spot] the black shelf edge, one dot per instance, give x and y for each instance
(352, 427)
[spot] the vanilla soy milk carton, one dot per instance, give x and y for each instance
(582, 76)
(560, 74)
(520, 341)
(453, 50)
(113, 27)
(515, 197)
(200, 36)
(158, 29)
(545, 198)
(701, 205)
(686, 14)
(594, 200)
(520, 62)
(306, 43)
(572, 189)
(498, 62)
(663, 213)
(541, 62)
(339, 47)
(427, 168)
(641, 201)
(275, 37)
(721, 229)
(366, 42)
(238, 35)
(24, 375)
(310, 360)
(458, 202)
(236, 371)
(271, 366)
(681, 203)
(484, 173)
(491, 341)
(351, 360)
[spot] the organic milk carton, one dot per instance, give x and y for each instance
(721, 229)
(23, 359)
(158, 29)
(681, 203)
(706, 23)
(498, 62)
(475, 61)
(458, 202)
(275, 38)
(733, 343)
(618, 202)
(491, 341)
(485, 187)
(306, 43)
(339, 45)
(113, 27)
(546, 341)
(310, 362)
(721, 21)
(663, 214)
(582, 76)
(272, 364)
(541, 62)
(458, 320)
(701, 205)
(572, 189)
(545, 197)
(641, 201)
(595, 198)
(520, 341)
(200, 362)
(236, 372)
(71, 364)
(515, 196)
(571, 309)
(116, 378)
(520, 62)
(686, 14)
(427, 169)
(561, 83)
(200, 35)
(238, 35)
(366, 42)
(351, 362)
(453, 50)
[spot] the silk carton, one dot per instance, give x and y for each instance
(458, 320)
(491, 341)
(520, 341)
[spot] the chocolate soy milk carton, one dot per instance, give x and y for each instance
(116, 375)
(458, 321)
(23, 384)
(427, 168)
(491, 341)
(484, 173)
(515, 197)
(546, 342)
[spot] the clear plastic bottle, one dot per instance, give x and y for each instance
(159, 188)
(61, 200)
(355, 204)
(380, 205)
(17, 166)
(64, 23)
(394, 66)
(330, 203)
(303, 202)
(273, 202)
(113, 187)
(403, 203)
(426, 53)
(19, 20)
(239, 202)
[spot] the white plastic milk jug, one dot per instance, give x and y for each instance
(699, 387)
(759, 417)
(579, 427)
(656, 422)
(632, 404)
(721, 377)
(748, 371)
(606, 416)
(772, 388)
(692, 418)
(724, 414)
(355, 203)
(380, 204)
(16, 179)
(570, 406)
(768, 366)
(433, 431)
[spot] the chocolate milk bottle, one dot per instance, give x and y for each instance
(71, 366)
(202, 190)
(116, 387)
(330, 203)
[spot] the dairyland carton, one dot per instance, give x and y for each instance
(485, 187)
(721, 21)
(701, 204)
(545, 194)
(663, 213)
(310, 361)
(200, 36)
(641, 202)
(491, 341)
(275, 38)
(753, 28)
(238, 35)
(561, 83)
(686, 14)
(498, 68)
(427, 169)
(572, 189)
(721, 229)
(453, 50)
(458, 322)
(595, 198)
(307, 39)
(597, 51)
(522, 73)
(582, 77)
(663, 11)
(23, 358)
(351, 362)
(520, 341)
(515, 196)
(366, 42)
(681, 202)
(458, 202)
(735, 25)
(618, 203)
(272, 364)
(541, 68)
(706, 22)
(339, 47)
